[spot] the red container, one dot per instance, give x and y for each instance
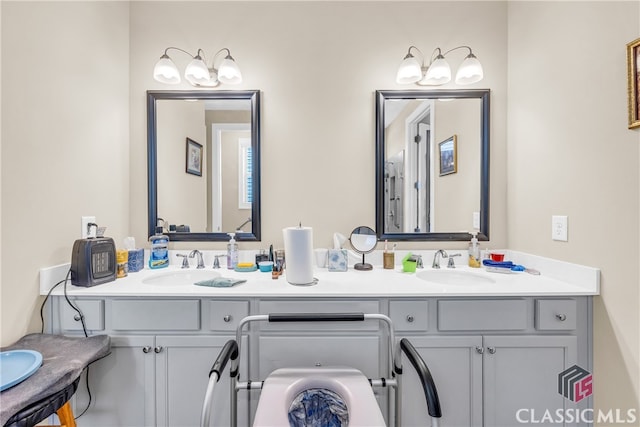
(496, 257)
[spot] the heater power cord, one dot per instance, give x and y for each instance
(84, 327)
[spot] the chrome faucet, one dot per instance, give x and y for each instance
(418, 259)
(452, 263)
(436, 260)
(185, 260)
(216, 260)
(199, 254)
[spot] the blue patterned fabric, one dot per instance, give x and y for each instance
(318, 408)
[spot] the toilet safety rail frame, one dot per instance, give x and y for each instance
(231, 352)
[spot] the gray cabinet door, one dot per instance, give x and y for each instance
(521, 378)
(295, 351)
(182, 374)
(122, 386)
(456, 367)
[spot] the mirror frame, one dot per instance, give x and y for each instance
(483, 95)
(152, 156)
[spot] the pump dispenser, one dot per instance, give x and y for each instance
(474, 251)
(232, 252)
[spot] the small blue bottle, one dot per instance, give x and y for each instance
(159, 256)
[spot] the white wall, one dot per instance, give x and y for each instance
(65, 140)
(317, 65)
(570, 153)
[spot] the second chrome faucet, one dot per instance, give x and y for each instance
(436, 258)
(197, 253)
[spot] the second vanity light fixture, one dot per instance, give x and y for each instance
(438, 71)
(197, 72)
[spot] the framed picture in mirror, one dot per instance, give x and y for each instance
(633, 82)
(194, 157)
(448, 156)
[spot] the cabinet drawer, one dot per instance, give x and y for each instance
(92, 310)
(482, 315)
(409, 315)
(225, 315)
(320, 306)
(147, 315)
(556, 315)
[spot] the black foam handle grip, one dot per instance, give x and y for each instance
(428, 385)
(316, 317)
(229, 351)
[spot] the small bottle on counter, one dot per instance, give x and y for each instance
(232, 252)
(159, 256)
(388, 258)
(122, 263)
(474, 251)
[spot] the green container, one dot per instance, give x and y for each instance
(409, 264)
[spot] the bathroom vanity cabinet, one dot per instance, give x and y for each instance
(161, 354)
(490, 356)
(495, 358)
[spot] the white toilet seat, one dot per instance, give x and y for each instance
(283, 385)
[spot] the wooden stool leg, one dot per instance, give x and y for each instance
(65, 413)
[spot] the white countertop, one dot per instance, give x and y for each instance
(557, 278)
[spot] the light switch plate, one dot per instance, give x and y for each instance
(559, 228)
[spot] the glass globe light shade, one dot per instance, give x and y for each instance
(438, 73)
(165, 71)
(229, 72)
(470, 71)
(409, 70)
(197, 72)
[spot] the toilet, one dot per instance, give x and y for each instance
(285, 384)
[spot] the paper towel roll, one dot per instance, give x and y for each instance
(298, 249)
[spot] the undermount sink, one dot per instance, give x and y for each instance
(454, 277)
(180, 277)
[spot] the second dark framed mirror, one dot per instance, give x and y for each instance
(432, 164)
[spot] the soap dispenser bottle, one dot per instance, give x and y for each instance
(232, 252)
(474, 251)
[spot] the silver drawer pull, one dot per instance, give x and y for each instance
(318, 364)
(157, 349)
(146, 349)
(227, 318)
(77, 317)
(561, 317)
(410, 318)
(492, 350)
(479, 349)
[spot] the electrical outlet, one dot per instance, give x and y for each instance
(476, 220)
(85, 232)
(559, 228)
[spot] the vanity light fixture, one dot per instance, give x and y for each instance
(197, 72)
(438, 72)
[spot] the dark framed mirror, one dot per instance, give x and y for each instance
(203, 164)
(432, 164)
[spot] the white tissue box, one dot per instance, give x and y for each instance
(337, 260)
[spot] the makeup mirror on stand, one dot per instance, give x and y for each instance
(363, 240)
